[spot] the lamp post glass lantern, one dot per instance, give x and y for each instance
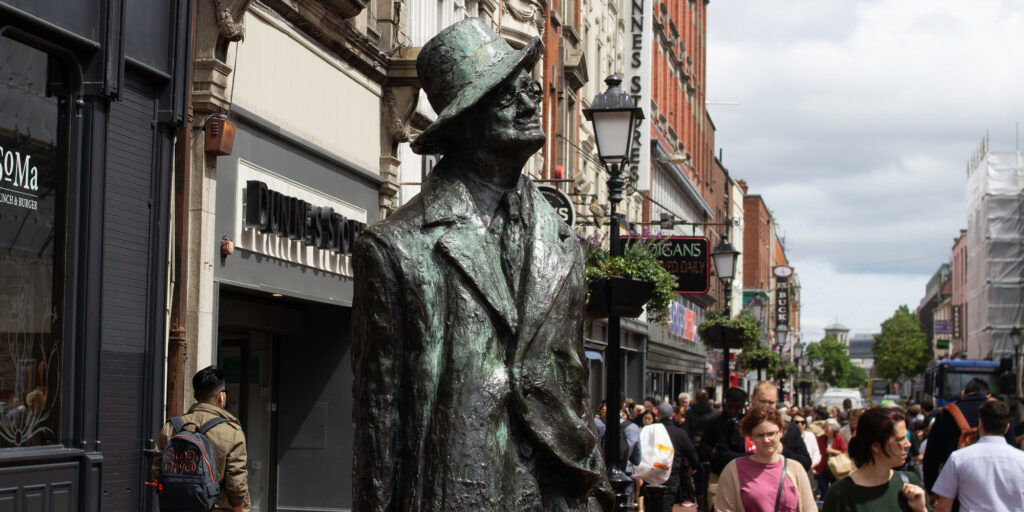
(615, 118)
(725, 256)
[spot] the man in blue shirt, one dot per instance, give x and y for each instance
(988, 475)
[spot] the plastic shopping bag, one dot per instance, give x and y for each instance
(657, 452)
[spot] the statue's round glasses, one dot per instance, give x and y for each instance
(525, 86)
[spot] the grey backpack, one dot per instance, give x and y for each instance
(187, 480)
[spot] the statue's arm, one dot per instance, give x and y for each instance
(376, 348)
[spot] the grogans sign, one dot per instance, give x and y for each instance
(686, 257)
(284, 219)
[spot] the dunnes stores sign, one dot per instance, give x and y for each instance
(279, 217)
(685, 257)
(272, 212)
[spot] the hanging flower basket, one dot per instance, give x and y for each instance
(723, 336)
(719, 331)
(627, 295)
(636, 280)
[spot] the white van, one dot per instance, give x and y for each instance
(833, 397)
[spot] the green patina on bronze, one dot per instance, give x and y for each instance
(470, 375)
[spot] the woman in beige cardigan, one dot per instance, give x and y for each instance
(751, 483)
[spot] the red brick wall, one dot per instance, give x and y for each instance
(756, 240)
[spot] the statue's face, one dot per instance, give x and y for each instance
(510, 118)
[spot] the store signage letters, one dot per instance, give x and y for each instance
(685, 257)
(956, 323)
(18, 176)
(18, 171)
(560, 202)
(272, 212)
(638, 82)
(782, 302)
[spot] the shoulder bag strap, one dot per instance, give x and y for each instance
(958, 416)
(782, 480)
(178, 423)
(210, 424)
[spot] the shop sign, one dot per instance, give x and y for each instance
(560, 202)
(683, 322)
(19, 180)
(942, 327)
(640, 41)
(782, 302)
(956, 323)
(292, 222)
(686, 257)
(427, 164)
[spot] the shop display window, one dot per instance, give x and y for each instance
(32, 198)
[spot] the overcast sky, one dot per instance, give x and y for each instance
(855, 122)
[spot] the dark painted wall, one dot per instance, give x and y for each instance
(128, 62)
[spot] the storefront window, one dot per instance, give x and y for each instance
(32, 178)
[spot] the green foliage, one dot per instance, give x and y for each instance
(830, 361)
(759, 357)
(901, 349)
(751, 333)
(787, 370)
(638, 261)
(857, 378)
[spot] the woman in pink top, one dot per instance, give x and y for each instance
(751, 483)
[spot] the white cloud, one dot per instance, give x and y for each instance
(856, 120)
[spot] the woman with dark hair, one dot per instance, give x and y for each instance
(646, 418)
(879, 445)
(764, 481)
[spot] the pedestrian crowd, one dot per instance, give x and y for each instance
(755, 454)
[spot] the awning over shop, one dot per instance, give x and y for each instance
(595, 355)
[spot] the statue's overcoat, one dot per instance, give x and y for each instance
(470, 397)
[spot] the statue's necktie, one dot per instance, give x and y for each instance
(512, 239)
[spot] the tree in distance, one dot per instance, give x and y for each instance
(901, 349)
(830, 361)
(857, 378)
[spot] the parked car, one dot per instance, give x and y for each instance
(834, 397)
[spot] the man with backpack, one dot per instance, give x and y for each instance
(200, 457)
(946, 432)
(987, 475)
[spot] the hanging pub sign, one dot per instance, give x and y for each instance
(956, 322)
(686, 257)
(560, 202)
(782, 274)
(782, 303)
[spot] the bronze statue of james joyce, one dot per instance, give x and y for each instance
(470, 376)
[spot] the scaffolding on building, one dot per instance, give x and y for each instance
(995, 251)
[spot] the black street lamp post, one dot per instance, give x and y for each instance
(615, 118)
(781, 334)
(725, 256)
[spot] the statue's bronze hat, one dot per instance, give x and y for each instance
(458, 67)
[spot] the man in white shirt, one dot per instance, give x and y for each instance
(988, 475)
